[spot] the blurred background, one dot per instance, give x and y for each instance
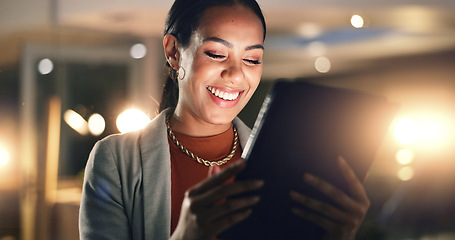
(73, 72)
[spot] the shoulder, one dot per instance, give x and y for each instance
(114, 155)
(117, 144)
(125, 149)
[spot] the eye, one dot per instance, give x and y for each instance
(253, 62)
(214, 56)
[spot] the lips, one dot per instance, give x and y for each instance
(223, 94)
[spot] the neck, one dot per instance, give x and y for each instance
(196, 127)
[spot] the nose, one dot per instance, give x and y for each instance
(233, 72)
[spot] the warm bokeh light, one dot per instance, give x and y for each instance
(4, 157)
(45, 66)
(309, 30)
(322, 64)
(76, 122)
(138, 51)
(131, 120)
(404, 156)
(357, 21)
(406, 173)
(434, 131)
(427, 131)
(406, 131)
(96, 124)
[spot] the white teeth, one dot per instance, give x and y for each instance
(223, 95)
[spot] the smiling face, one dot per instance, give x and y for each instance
(223, 66)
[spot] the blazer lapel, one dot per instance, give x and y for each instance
(156, 167)
(244, 131)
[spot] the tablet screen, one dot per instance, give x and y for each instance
(302, 128)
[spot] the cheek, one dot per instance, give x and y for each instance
(254, 77)
(203, 70)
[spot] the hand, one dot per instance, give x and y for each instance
(343, 220)
(206, 211)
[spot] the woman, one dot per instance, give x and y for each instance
(153, 184)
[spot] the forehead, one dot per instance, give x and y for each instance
(224, 21)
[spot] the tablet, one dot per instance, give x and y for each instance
(303, 128)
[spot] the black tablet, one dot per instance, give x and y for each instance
(301, 128)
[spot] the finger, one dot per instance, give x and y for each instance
(320, 207)
(227, 221)
(334, 229)
(338, 196)
(231, 205)
(213, 170)
(355, 186)
(367, 174)
(323, 222)
(218, 178)
(224, 191)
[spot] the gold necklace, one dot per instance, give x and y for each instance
(201, 160)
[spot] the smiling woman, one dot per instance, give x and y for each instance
(173, 179)
(140, 189)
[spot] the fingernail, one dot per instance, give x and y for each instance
(297, 196)
(341, 160)
(295, 210)
(237, 164)
(258, 183)
(309, 177)
(248, 212)
(242, 215)
(294, 194)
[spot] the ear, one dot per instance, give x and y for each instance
(171, 51)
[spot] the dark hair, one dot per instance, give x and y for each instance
(182, 20)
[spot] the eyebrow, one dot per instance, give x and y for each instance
(257, 46)
(229, 45)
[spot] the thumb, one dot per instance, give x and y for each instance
(213, 170)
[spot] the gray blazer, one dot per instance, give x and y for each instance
(127, 185)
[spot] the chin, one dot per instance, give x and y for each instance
(222, 117)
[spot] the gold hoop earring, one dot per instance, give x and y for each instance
(181, 73)
(173, 74)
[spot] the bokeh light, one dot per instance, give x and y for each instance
(406, 173)
(434, 131)
(404, 156)
(4, 157)
(357, 21)
(427, 131)
(309, 30)
(138, 51)
(406, 131)
(322, 64)
(132, 120)
(45, 66)
(76, 122)
(96, 124)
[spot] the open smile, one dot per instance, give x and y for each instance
(225, 95)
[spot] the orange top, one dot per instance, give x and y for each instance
(187, 172)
